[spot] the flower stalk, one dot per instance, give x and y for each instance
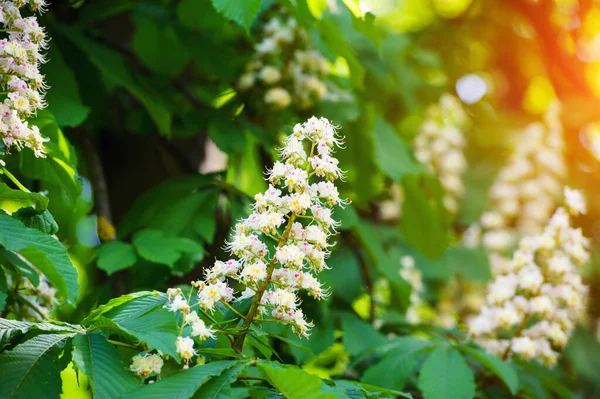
(238, 343)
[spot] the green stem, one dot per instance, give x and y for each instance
(517, 334)
(233, 309)
(248, 377)
(123, 344)
(14, 180)
(238, 344)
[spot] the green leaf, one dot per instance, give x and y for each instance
(154, 246)
(115, 67)
(58, 168)
(397, 363)
(355, 390)
(219, 387)
(116, 302)
(424, 221)
(359, 336)
(384, 263)
(317, 7)
(100, 361)
(293, 382)
(502, 369)
(226, 134)
(11, 200)
(246, 172)
(159, 47)
(178, 206)
(241, 306)
(445, 375)
(198, 15)
(183, 384)
(43, 222)
(3, 292)
(145, 319)
(63, 100)
(43, 251)
(583, 352)
(344, 277)
(32, 368)
(242, 12)
(391, 154)
(337, 44)
(12, 328)
(23, 267)
(114, 256)
(470, 263)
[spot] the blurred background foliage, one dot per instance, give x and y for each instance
(144, 92)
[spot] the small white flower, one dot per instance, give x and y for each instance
(179, 304)
(185, 348)
(574, 201)
(270, 75)
(278, 98)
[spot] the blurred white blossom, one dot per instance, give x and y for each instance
(286, 69)
(534, 301)
(440, 144)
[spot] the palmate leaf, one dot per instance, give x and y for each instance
(141, 316)
(43, 222)
(355, 390)
(115, 255)
(159, 47)
(445, 375)
(59, 167)
(337, 44)
(44, 252)
(11, 328)
(3, 292)
(11, 199)
(64, 100)
(359, 336)
(115, 302)
(242, 12)
(183, 384)
(391, 154)
(503, 370)
(182, 206)
(219, 387)
(293, 382)
(32, 369)
(397, 363)
(114, 66)
(24, 268)
(158, 329)
(99, 360)
(155, 246)
(424, 222)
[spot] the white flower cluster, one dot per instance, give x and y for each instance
(532, 304)
(412, 275)
(295, 212)
(197, 328)
(145, 364)
(525, 192)
(439, 145)
(285, 68)
(33, 303)
(20, 58)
